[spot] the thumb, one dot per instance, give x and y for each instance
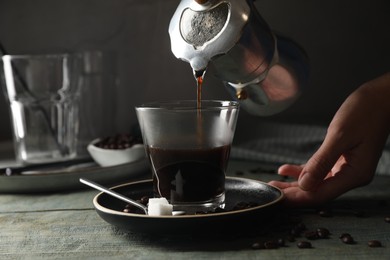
(320, 164)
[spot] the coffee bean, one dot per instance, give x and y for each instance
(144, 200)
(298, 229)
(271, 244)
(374, 243)
(295, 232)
(281, 242)
(258, 245)
(129, 207)
(304, 244)
(326, 213)
(132, 209)
(347, 239)
(119, 141)
(323, 232)
(344, 235)
(387, 219)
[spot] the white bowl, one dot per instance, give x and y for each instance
(111, 157)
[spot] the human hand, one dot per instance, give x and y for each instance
(350, 152)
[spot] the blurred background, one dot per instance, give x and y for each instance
(347, 42)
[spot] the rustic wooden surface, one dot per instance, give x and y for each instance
(65, 225)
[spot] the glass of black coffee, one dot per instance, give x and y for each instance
(188, 146)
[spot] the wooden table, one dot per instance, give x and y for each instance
(65, 225)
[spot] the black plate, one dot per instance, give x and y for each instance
(238, 190)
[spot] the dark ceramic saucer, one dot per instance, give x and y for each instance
(237, 190)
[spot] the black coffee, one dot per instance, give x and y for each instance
(195, 175)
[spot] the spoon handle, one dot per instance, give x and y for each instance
(114, 194)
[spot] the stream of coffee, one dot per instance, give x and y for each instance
(199, 82)
(199, 76)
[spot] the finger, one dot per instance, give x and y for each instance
(328, 189)
(321, 163)
(291, 190)
(282, 184)
(296, 197)
(290, 170)
(293, 195)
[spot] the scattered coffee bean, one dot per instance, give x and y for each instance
(132, 209)
(323, 232)
(304, 244)
(326, 213)
(258, 245)
(347, 239)
(297, 230)
(281, 242)
(387, 219)
(271, 244)
(374, 243)
(144, 200)
(129, 208)
(344, 235)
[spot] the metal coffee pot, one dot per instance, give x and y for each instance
(264, 71)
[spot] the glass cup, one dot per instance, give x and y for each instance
(188, 148)
(97, 98)
(42, 91)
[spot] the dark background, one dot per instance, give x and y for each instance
(347, 42)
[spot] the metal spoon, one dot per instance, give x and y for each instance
(114, 194)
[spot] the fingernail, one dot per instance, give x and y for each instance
(306, 181)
